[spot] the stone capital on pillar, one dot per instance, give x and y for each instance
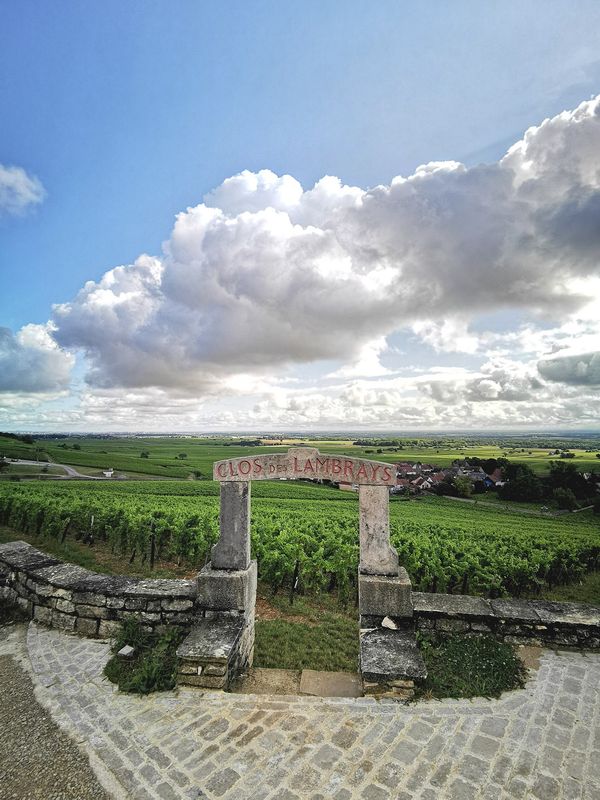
(377, 556)
(232, 551)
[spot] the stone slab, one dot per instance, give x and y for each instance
(268, 682)
(61, 575)
(227, 590)
(567, 613)
(451, 605)
(212, 639)
(390, 655)
(385, 595)
(330, 684)
(514, 610)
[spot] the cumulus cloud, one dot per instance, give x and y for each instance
(18, 190)
(263, 274)
(582, 369)
(31, 361)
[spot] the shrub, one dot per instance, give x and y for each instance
(565, 499)
(153, 667)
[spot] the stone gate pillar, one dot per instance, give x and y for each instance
(384, 588)
(377, 556)
(221, 645)
(232, 551)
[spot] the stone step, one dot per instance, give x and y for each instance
(390, 662)
(206, 656)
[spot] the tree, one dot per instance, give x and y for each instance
(76, 446)
(463, 486)
(567, 476)
(523, 484)
(565, 499)
(144, 454)
(182, 455)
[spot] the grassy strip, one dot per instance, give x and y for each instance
(153, 667)
(587, 590)
(469, 666)
(308, 634)
(330, 646)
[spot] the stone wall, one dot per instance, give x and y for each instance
(74, 599)
(539, 622)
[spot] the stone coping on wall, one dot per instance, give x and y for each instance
(75, 599)
(544, 622)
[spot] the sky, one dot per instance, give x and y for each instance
(299, 216)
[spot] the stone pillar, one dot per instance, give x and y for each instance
(232, 551)
(384, 588)
(377, 556)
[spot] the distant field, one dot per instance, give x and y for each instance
(124, 455)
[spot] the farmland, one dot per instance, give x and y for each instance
(182, 457)
(445, 546)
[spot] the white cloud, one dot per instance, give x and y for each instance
(263, 275)
(18, 190)
(32, 362)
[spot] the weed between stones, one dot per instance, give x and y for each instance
(153, 667)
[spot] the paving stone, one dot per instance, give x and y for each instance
(204, 745)
(222, 781)
(373, 792)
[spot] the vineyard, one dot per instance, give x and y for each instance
(445, 546)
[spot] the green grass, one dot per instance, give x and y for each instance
(587, 590)
(469, 666)
(319, 638)
(153, 667)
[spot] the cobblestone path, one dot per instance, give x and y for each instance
(541, 742)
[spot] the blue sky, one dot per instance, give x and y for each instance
(127, 114)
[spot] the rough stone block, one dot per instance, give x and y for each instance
(43, 615)
(135, 603)
(177, 605)
(115, 602)
(66, 606)
(385, 595)
(92, 611)
(87, 627)
(215, 670)
(222, 590)
(65, 622)
(202, 681)
(107, 629)
(89, 598)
